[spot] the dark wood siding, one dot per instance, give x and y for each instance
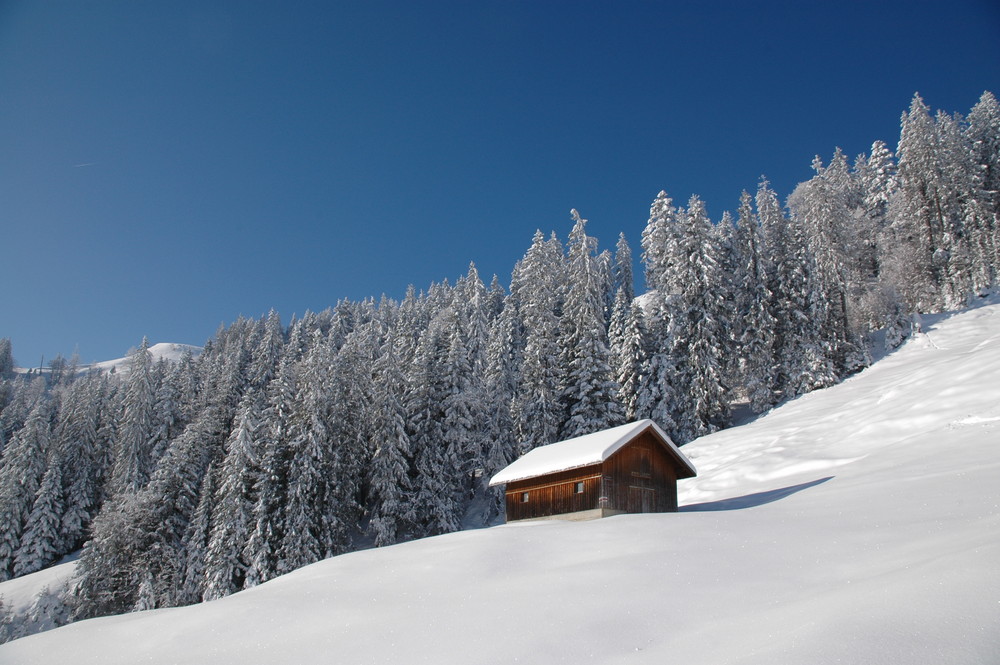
(554, 494)
(641, 477)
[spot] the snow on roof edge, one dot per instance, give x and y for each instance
(582, 451)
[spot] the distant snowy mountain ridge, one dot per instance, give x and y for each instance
(161, 351)
(168, 351)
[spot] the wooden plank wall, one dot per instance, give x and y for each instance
(554, 494)
(639, 478)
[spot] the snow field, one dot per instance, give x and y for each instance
(858, 524)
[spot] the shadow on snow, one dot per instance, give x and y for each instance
(751, 500)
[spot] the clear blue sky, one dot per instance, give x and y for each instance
(168, 166)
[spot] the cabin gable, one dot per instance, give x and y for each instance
(641, 478)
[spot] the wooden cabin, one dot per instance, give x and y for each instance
(632, 468)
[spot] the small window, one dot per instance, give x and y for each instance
(578, 487)
(524, 497)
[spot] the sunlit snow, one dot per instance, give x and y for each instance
(859, 524)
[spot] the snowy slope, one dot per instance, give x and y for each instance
(161, 351)
(19, 593)
(859, 524)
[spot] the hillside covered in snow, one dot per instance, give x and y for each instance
(168, 351)
(854, 524)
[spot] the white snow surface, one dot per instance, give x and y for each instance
(580, 451)
(160, 351)
(858, 524)
(19, 593)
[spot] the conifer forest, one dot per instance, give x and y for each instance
(286, 442)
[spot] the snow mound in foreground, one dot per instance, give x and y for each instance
(854, 524)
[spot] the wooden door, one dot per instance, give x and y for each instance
(641, 500)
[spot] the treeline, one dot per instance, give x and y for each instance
(378, 421)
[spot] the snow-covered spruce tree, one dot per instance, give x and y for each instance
(413, 319)
(504, 350)
(797, 304)
(84, 457)
(388, 481)
(876, 180)
(167, 507)
(699, 327)
(589, 394)
(627, 337)
(107, 568)
(656, 396)
(187, 379)
(6, 361)
(686, 276)
(309, 442)
(464, 415)
(658, 390)
(137, 557)
(538, 285)
(624, 280)
(267, 354)
(626, 332)
(728, 261)
(928, 256)
(23, 466)
(432, 507)
(982, 136)
(24, 397)
(352, 392)
(826, 208)
(969, 262)
(192, 585)
(41, 540)
(232, 517)
(755, 324)
(261, 549)
(132, 463)
(167, 419)
(472, 300)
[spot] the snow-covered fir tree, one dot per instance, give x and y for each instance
(589, 393)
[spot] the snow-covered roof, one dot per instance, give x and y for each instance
(583, 451)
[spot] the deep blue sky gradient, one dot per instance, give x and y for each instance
(168, 166)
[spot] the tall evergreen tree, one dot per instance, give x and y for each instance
(658, 393)
(41, 543)
(538, 287)
(589, 394)
(23, 466)
(388, 480)
(433, 506)
(232, 519)
(698, 327)
(132, 464)
(824, 206)
(83, 456)
(6, 360)
(983, 139)
(797, 304)
(755, 330)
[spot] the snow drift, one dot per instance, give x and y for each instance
(854, 524)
